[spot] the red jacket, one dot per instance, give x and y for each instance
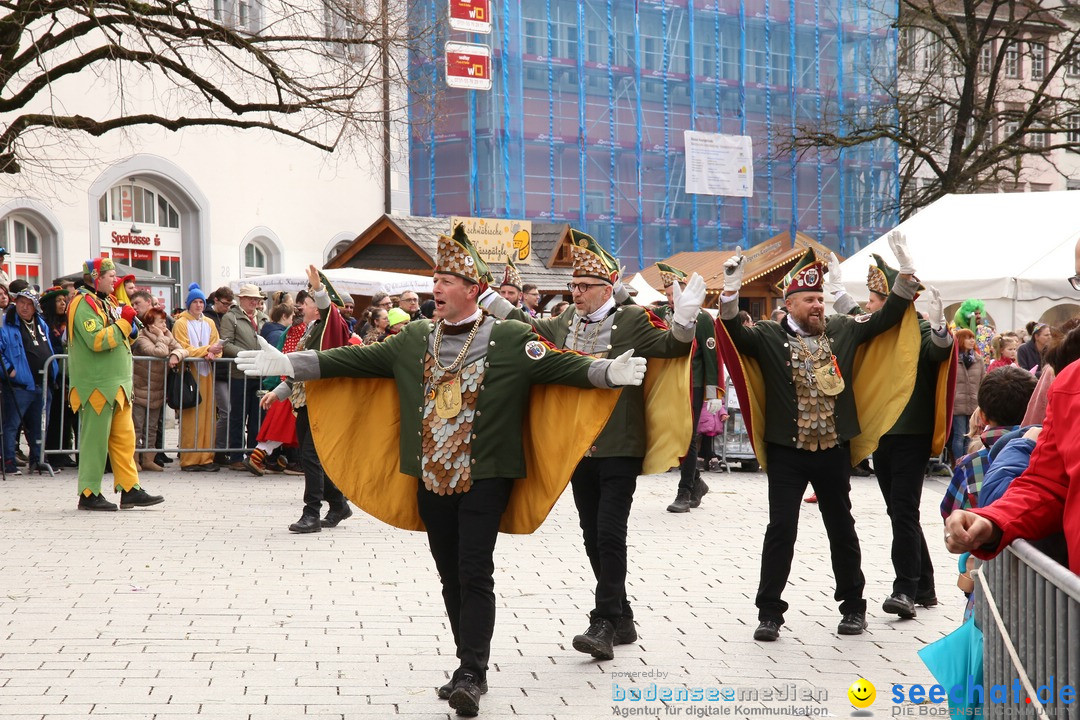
(1046, 498)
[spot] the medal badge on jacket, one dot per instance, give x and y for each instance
(448, 398)
(828, 378)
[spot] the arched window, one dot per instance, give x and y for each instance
(141, 227)
(23, 244)
(339, 248)
(254, 260)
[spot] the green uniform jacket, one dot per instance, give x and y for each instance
(633, 328)
(99, 353)
(705, 363)
(500, 409)
(769, 344)
(918, 416)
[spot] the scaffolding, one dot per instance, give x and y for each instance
(584, 123)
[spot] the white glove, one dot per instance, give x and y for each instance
(486, 297)
(714, 406)
(734, 268)
(898, 245)
(833, 284)
(687, 303)
(626, 370)
(937, 309)
(266, 361)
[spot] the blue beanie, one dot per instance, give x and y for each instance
(194, 293)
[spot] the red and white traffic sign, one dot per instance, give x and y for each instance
(468, 66)
(471, 16)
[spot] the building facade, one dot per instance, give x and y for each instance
(585, 121)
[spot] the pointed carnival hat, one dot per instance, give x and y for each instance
(670, 275)
(511, 276)
(457, 256)
(880, 277)
(808, 275)
(335, 297)
(591, 260)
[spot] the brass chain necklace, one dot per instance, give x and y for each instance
(464, 350)
(448, 392)
(581, 335)
(821, 373)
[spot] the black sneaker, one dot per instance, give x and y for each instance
(625, 632)
(445, 690)
(597, 640)
(137, 497)
(306, 524)
(698, 492)
(95, 502)
(852, 624)
(681, 504)
(767, 631)
(465, 697)
(333, 517)
(162, 459)
(899, 604)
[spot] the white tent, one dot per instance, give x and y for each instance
(354, 281)
(1014, 251)
(646, 294)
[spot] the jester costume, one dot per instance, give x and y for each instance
(100, 375)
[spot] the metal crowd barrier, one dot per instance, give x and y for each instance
(1028, 607)
(69, 445)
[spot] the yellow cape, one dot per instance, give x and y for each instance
(669, 418)
(883, 378)
(561, 424)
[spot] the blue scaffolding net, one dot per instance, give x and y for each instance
(585, 121)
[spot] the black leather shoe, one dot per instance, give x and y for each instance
(852, 624)
(333, 517)
(95, 502)
(926, 599)
(162, 459)
(465, 697)
(306, 524)
(625, 632)
(137, 497)
(767, 631)
(597, 640)
(698, 492)
(899, 604)
(681, 504)
(445, 690)
(198, 468)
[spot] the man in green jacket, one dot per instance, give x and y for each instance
(463, 386)
(705, 372)
(900, 458)
(605, 480)
(802, 370)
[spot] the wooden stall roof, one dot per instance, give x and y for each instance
(408, 243)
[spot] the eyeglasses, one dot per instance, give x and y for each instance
(1075, 282)
(386, 304)
(410, 300)
(582, 287)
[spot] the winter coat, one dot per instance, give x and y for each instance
(13, 353)
(149, 376)
(966, 398)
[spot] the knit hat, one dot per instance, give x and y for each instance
(670, 275)
(194, 293)
(457, 256)
(30, 294)
(592, 260)
(94, 267)
(395, 316)
(808, 275)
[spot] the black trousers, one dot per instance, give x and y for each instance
(244, 415)
(688, 471)
(462, 529)
(603, 492)
(317, 487)
(900, 464)
(829, 473)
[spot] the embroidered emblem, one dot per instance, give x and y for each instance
(711, 343)
(811, 277)
(865, 317)
(90, 325)
(468, 261)
(535, 349)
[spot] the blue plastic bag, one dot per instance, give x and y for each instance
(957, 659)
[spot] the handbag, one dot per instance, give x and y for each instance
(181, 390)
(711, 424)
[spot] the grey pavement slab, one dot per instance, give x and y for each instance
(207, 607)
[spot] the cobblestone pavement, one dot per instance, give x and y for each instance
(207, 607)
